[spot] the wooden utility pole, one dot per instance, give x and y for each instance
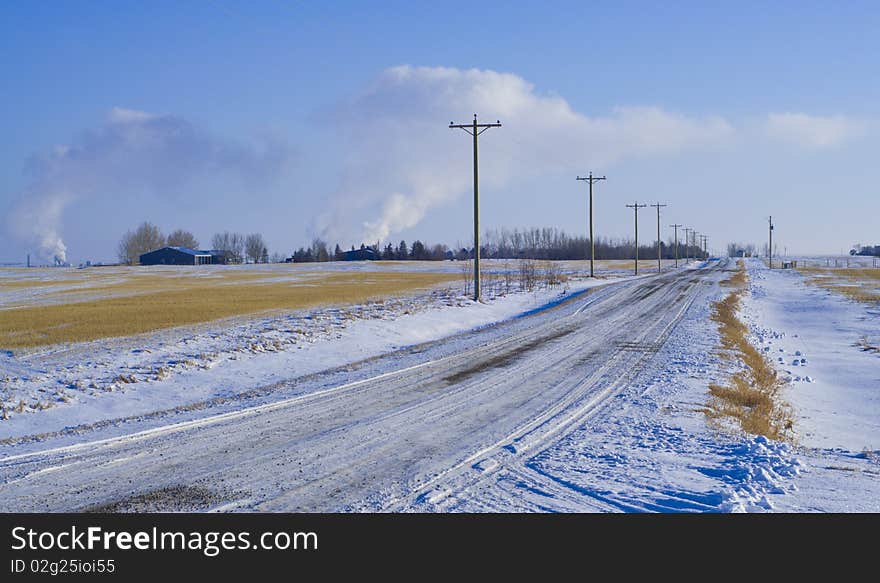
(676, 242)
(705, 239)
(591, 180)
(658, 205)
(687, 242)
(770, 249)
(636, 206)
(475, 129)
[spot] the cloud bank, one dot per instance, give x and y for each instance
(812, 131)
(134, 156)
(403, 161)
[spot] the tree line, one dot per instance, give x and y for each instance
(547, 243)
(319, 250)
(148, 237)
(551, 243)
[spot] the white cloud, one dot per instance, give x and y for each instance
(135, 156)
(122, 115)
(812, 131)
(403, 161)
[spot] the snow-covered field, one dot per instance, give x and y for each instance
(814, 335)
(47, 390)
(594, 406)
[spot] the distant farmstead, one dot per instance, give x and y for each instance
(363, 254)
(184, 256)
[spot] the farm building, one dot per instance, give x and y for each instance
(177, 256)
(362, 254)
(220, 257)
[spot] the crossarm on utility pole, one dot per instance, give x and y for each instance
(591, 179)
(676, 226)
(475, 129)
(658, 206)
(636, 206)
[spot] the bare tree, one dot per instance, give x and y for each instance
(181, 238)
(320, 251)
(466, 270)
(528, 274)
(253, 247)
(231, 243)
(147, 237)
(508, 277)
(552, 273)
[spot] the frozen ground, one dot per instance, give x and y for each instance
(815, 338)
(58, 387)
(593, 405)
(650, 449)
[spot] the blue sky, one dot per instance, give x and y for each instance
(298, 120)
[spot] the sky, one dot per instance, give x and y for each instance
(305, 119)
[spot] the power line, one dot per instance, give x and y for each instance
(636, 206)
(687, 242)
(591, 180)
(676, 242)
(770, 248)
(475, 129)
(658, 206)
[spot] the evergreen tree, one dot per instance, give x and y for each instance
(418, 251)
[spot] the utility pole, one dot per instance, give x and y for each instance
(770, 249)
(687, 242)
(591, 180)
(658, 205)
(705, 239)
(676, 242)
(636, 206)
(475, 129)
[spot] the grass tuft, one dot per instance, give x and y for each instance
(751, 396)
(861, 285)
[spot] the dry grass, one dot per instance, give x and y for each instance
(195, 301)
(751, 396)
(864, 345)
(859, 284)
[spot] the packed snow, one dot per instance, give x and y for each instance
(645, 446)
(49, 389)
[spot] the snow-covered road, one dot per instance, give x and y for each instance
(417, 437)
(592, 404)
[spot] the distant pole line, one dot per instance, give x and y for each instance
(658, 206)
(770, 248)
(475, 129)
(636, 206)
(676, 226)
(591, 180)
(687, 242)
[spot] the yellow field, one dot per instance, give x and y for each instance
(860, 284)
(143, 303)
